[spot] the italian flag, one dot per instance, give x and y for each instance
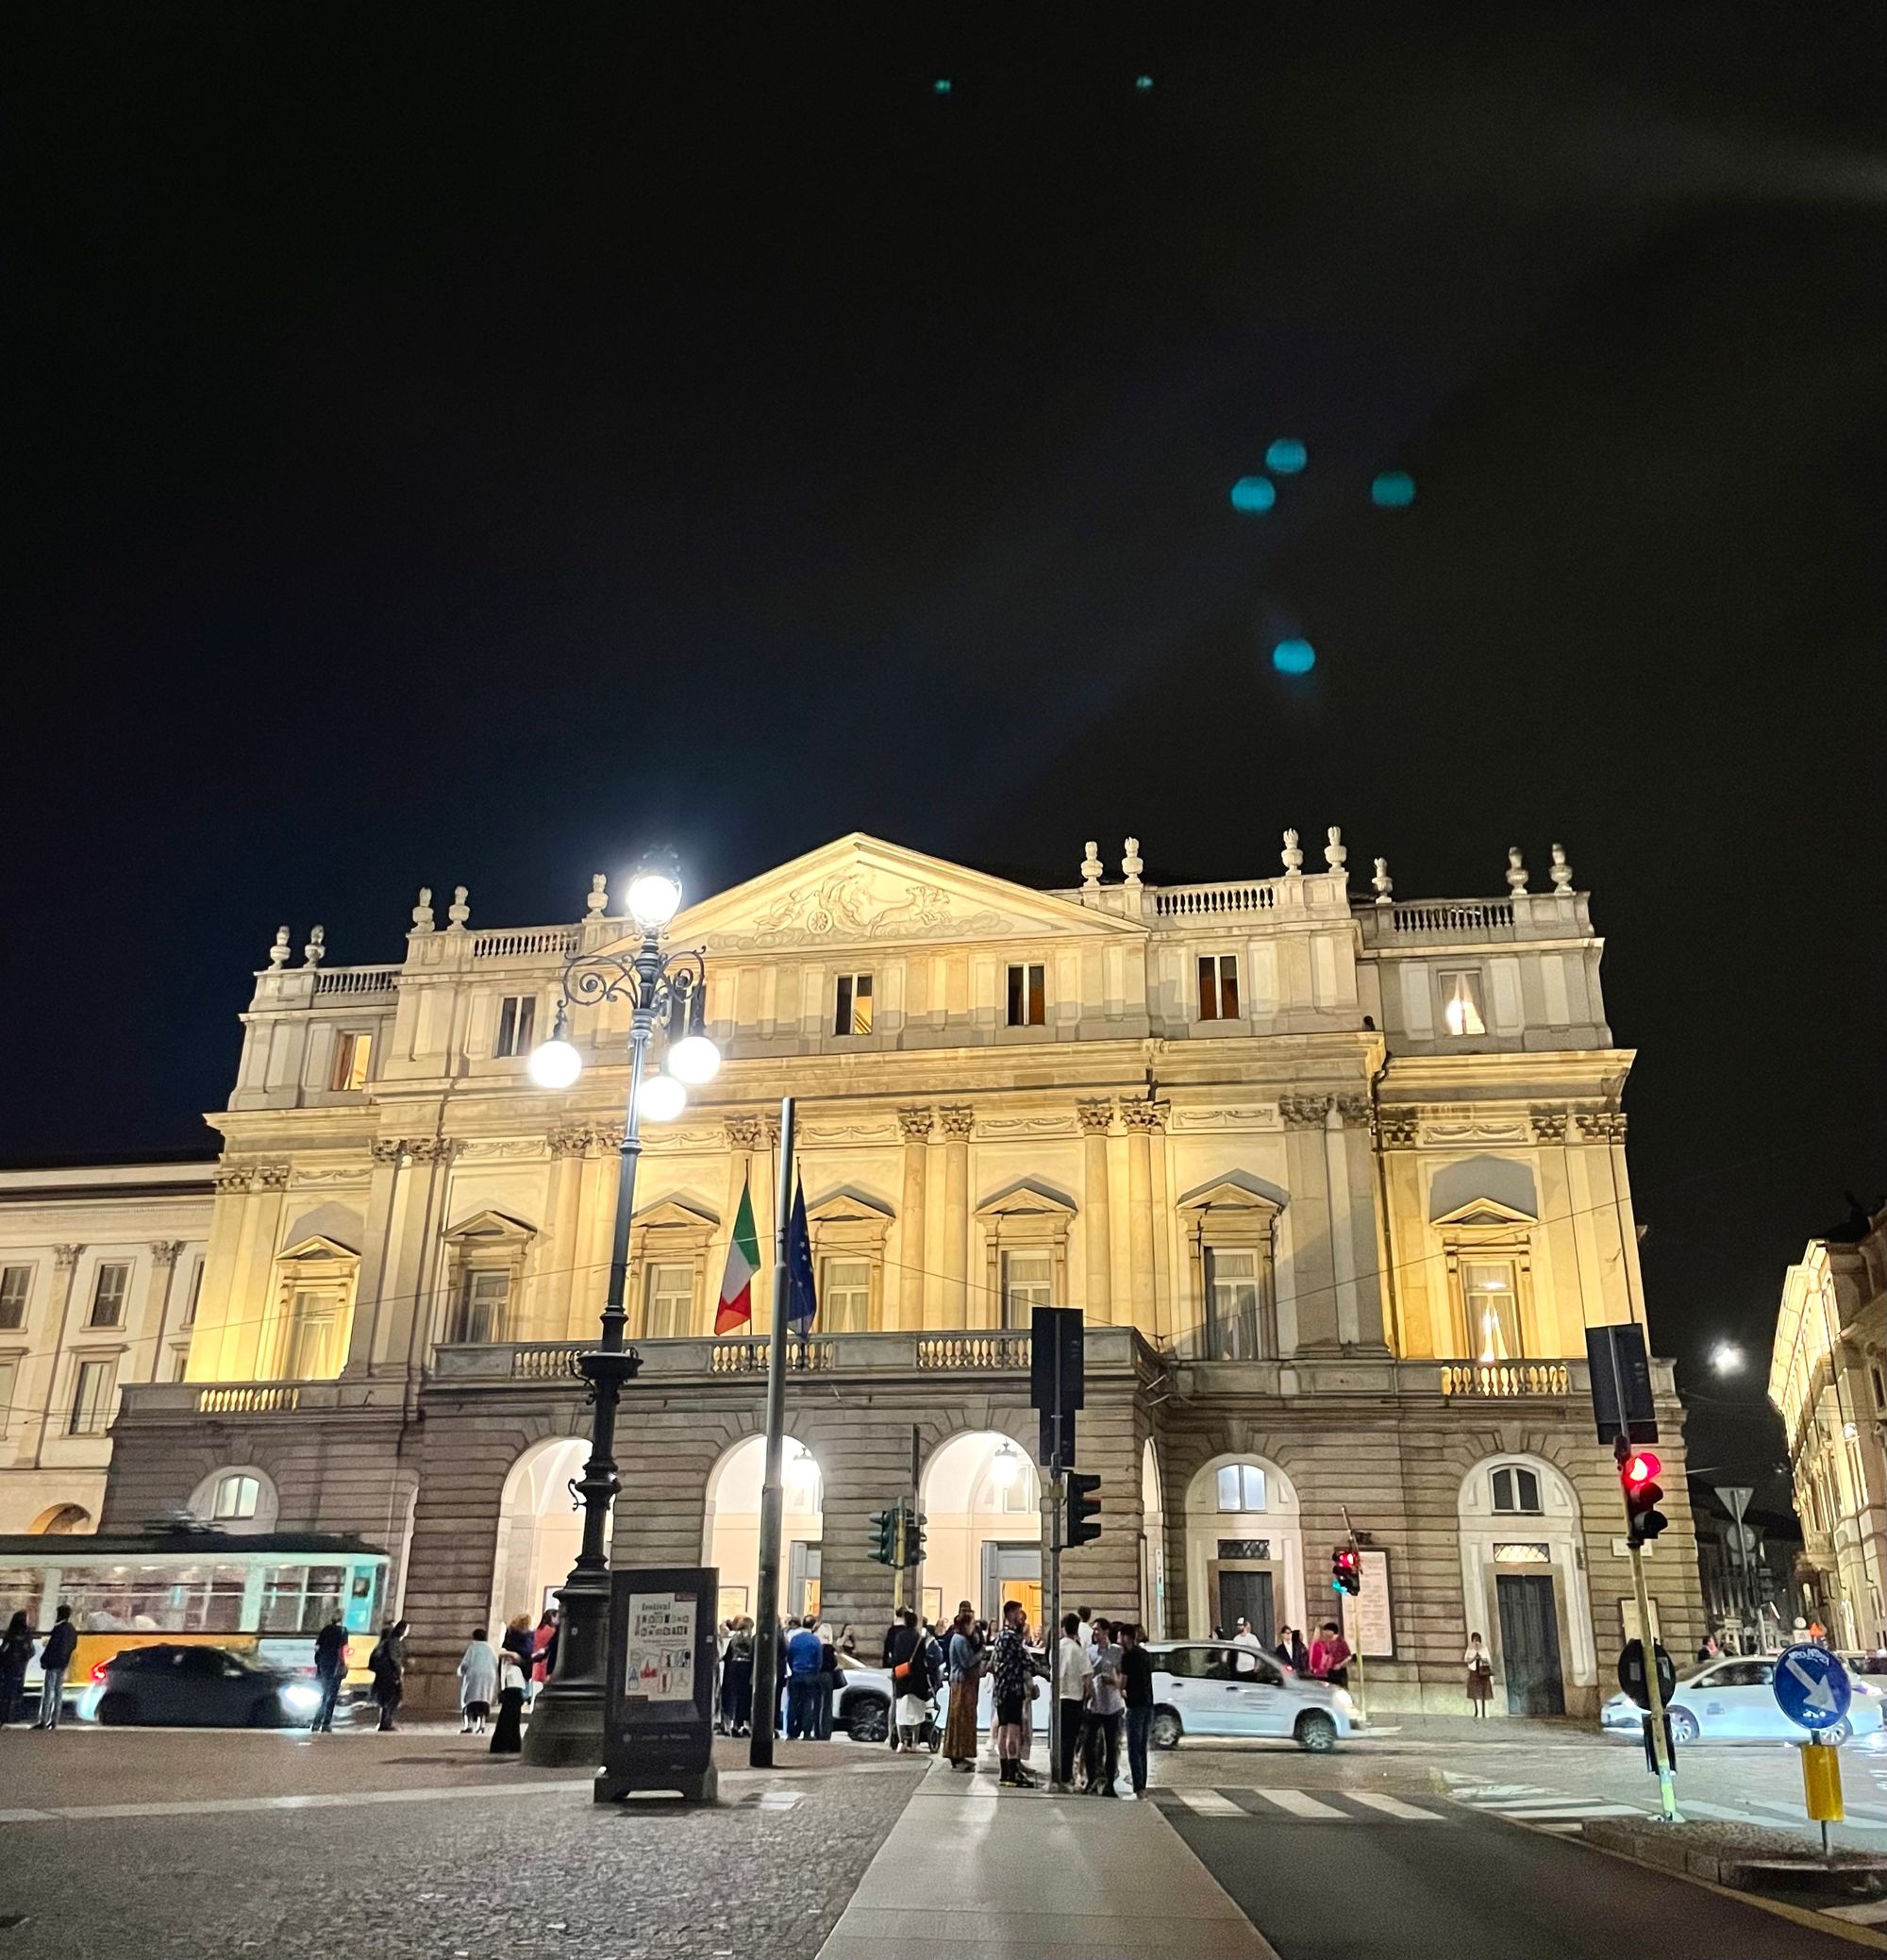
(743, 1262)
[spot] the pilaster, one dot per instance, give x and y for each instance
(916, 1125)
(1096, 1119)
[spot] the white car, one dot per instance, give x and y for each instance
(1214, 1688)
(1733, 1701)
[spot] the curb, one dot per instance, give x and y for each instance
(1857, 1876)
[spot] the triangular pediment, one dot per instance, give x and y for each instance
(316, 1248)
(672, 1211)
(489, 1227)
(863, 892)
(1238, 1192)
(1486, 1212)
(1026, 1199)
(846, 1208)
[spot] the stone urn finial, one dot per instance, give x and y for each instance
(278, 953)
(1561, 873)
(317, 946)
(458, 912)
(1385, 885)
(598, 904)
(1336, 854)
(1091, 867)
(1293, 857)
(422, 913)
(1131, 865)
(1517, 871)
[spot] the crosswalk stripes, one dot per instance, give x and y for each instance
(1209, 1804)
(1293, 1807)
(1544, 1810)
(1297, 1803)
(1395, 1807)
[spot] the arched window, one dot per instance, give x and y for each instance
(1240, 1487)
(236, 1496)
(1516, 1489)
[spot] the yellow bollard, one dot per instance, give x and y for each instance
(1821, 1783)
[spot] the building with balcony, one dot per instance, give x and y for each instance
(1338, 1181)
(1827, 1379)
(101, 1267)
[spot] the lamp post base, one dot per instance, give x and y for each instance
(566, 1723)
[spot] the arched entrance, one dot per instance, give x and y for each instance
(731, 1535)
(540, 1527)
(57, 1521)
(982, 1532)
(1244, 1551)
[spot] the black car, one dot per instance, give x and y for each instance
(208, 1686)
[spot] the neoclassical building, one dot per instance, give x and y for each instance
(1339, 1182)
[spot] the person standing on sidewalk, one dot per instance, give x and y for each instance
(508, 1732)
(964, 1665)
(55, 1658)
(1073, 1671)
(1480, 1676)
(1105, 1705)
(1013, 1687)
(16, 1649)
(387, 1663)
(478, 1682)
(1137, 1686)
(902, 1641)
(330, 1670)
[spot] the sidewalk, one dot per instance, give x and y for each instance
(995, 1874)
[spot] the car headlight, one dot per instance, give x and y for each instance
(1343, 1698)
(302, 1699)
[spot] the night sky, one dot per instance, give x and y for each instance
(457, 447)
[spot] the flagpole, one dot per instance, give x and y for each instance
(766, 1617)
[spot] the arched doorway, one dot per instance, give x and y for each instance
(1244, 1551)
(57, 1520)
(983, 1534)
(731, 1535)
(540, 1527)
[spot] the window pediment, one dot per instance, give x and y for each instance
(491, 1228)
(318, 1251)
(1482, 1213)
(1238, 1195)
(1026, 1199)
(671, 1215)
(847, 1208)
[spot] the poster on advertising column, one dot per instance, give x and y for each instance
(661, 1660)
(1369, 1625)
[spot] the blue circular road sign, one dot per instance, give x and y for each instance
(1811, 1686)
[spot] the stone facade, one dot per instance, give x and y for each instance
(1338, 1185)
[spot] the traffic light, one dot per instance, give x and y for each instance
(1638, 1472)
(1084, 1507)
(884, 1536)
(913, 1536)
(1346, 1570)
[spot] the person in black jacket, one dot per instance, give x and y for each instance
(330, 1670)
(55, 1658)
(16, 1649)
(1137, 1684)
(387, 1665)
(901, 1643)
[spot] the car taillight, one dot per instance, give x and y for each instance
(98, 1669)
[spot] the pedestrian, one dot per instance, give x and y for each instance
(827, 1684)
(1105, 1706)
(1710, 1650)
(55, 1658)
(1243, 1637)
(1282, 1651)
(1013, 1684)
(963, 1661)
(1331, 1655)
(913, 1686)
(737, 1679)
(508, 1732)
(902, 1640)
(517, 1638)
(802, 1670)
(478, 1682)
(16, 1649)
(1072, 1672)
(387, 1663)
(1136, 1687)
(330, 1670)
(1480, 1677)
(1300, 1653)
(541, 1662)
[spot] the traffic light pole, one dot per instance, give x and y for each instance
(1362, 1705)
(1057, 1506)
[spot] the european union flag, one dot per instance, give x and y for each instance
(802, 1295)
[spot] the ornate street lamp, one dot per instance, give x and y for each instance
(663, 990)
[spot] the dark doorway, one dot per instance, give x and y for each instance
(1530, 1644)
(1246, 1595)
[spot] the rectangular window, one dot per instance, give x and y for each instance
(195, 1294)
(517, 1022)
(1219, 987)
(1492, 1307)
(1028, 996)
(852, 1004)
(1237, 1325)
(92, 1397)
(108, 1293)
(669, 1308)
(1461, 1003)
(16, 1283)
(1241, 1489)
(1028, 1283)
(1516, 1488)
(307, 1351)
(846, 1296)
(483, 1297)
(352, 1057)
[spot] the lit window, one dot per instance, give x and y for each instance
(852, 1004)
(1028, 997)
(483, 1296)
(91, 1387)
(517, 1022)
(846, 1296)
(310, 1338)
(236, 1497)
(1237, 1326)
(1219, 987)
(108, 1295)
(1241, 1487)
(1516, 1489)
(1028, 1283)
(668, 1309)
(16, 1282)
(1493, 1309)
(352, 1057)
(1460, 1003)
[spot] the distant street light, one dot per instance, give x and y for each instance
(1727, 1358)
(663, 990)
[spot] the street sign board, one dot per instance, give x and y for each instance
(1631, 1673)
(658, 1706)
(1811, 1686)
(1619, 1367)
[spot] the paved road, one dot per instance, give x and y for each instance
(1328, 1875)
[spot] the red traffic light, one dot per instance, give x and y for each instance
(1641, 1467)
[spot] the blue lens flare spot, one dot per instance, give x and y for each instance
(1293, 656)
(1254, 494)
(941, 86)
(1286, 457)
(1394, 490)
(1143, 82)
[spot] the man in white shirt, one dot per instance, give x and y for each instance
(1243, 1637)
(1073, 1671)
(1106, 1703)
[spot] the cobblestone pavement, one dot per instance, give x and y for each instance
(459, 1865)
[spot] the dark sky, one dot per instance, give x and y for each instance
(462, 446)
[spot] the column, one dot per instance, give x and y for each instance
(1095, 1118)
(1141, 1119)
(1311, 1280)
(915, 1123)
(164, 1276)
(957, 1122)
(550, 1313)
